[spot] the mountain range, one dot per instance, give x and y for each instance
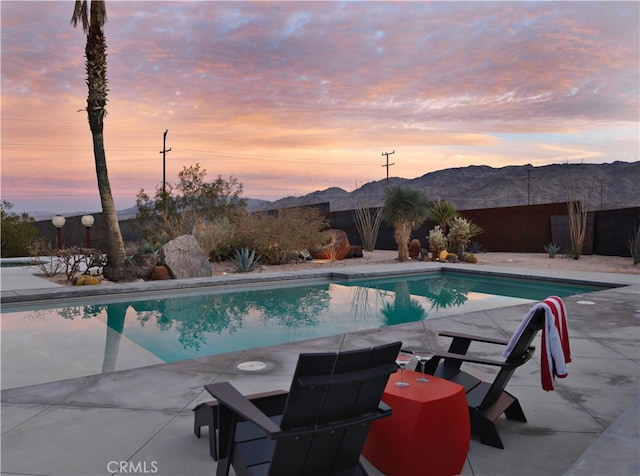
(602, 186)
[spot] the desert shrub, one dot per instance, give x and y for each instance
(280, 235)
(17, 232)
(81, 261)
(176, 210)
(216, 239)
(437, 241)
(44, 257)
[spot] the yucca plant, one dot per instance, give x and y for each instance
(245, 260)
(404, 209)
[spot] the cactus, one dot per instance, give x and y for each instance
(437, 241)
(470, 258)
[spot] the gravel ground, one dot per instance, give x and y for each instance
(588, 263)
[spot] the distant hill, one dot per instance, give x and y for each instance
(605, 186)
(613, 185)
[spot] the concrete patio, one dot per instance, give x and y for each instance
(87, 426)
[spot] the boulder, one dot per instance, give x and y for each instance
(185, 259)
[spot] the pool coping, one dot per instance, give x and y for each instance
(22, 296)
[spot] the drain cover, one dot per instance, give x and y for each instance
(251, 366)
(586, 303)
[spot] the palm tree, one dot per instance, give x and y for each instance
(404, 209)
(93, 20)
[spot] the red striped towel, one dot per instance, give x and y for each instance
(556, 352)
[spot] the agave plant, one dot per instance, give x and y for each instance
(552, 249)
(245, 260)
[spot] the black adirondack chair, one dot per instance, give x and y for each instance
(325, 418)
(487, 400)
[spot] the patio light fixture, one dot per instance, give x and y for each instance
(58, 221)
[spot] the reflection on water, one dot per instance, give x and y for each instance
(191, 326)
(195, 320)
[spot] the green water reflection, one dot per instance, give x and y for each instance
(184, 327)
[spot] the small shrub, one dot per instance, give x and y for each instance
(81, 260)
(44, 257)
(470, 258)
(244, 260)
(452, 257)
(552, 249)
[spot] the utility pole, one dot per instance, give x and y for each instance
(164, 170)
(388, 164)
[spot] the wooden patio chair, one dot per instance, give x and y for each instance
(487, 400)
(325, 418)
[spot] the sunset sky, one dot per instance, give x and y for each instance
(293, 97)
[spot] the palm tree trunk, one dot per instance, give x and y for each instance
(96, 55)
(114, 269)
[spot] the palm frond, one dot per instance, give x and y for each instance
(80, 14)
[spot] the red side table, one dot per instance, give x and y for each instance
(428, 431)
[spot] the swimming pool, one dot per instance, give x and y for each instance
(90, 337)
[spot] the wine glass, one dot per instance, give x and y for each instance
(423, 357)
(401, 361)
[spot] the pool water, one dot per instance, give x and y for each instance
(89, 338)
